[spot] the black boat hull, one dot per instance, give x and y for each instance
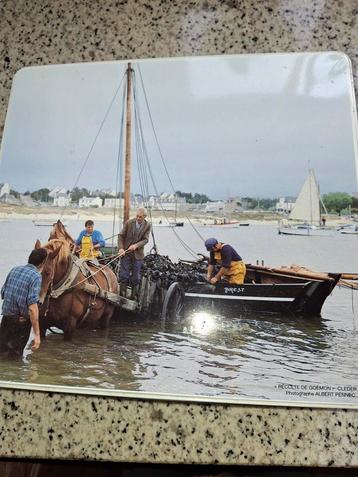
(304, 298)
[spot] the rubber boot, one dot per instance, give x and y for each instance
(134, 293)
(123, 290)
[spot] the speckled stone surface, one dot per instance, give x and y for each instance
(77, 427)
(65, 426)
(40, 32)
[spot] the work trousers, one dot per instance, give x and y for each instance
(130, 270)
(14, 334)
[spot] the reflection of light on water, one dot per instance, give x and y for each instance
(202, 323)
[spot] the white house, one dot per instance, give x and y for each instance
(4, 189)
(233, 205)
(101, 192)
(62, 200)
(57, 191)
(90, 202)
(10, 199)
(113, 203)
(217, 206)
(60, 197)
(284, 205)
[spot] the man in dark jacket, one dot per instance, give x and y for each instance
(131, 241)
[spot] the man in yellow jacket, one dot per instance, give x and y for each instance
(232, 268)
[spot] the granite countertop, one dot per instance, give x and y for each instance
(43, 424)
(57, 425)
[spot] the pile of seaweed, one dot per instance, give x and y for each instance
(160, 267)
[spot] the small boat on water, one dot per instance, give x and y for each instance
(232, 224)
(47, 223)
(170, 224)
(305, 230)
(307, 212)
(350, 229)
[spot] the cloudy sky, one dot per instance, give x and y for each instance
(246, 125)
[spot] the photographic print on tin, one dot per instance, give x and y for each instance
(255, 152)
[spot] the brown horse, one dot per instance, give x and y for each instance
(59, 232)
(72, 290)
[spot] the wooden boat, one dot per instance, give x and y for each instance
(294, 291)
(232, 224)
(266, 291)
(170, 224)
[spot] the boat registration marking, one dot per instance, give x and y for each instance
(237, 297)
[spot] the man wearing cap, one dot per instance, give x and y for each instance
(232, 268)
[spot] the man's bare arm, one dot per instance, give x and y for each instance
(34, 318)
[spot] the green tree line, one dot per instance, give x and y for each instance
(336, 202)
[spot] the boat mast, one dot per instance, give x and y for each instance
(127, 167)
(310, 185)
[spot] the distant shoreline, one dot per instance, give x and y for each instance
(16, 212)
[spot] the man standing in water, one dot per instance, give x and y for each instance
(131, 241)
(20, 294)
(232, 268)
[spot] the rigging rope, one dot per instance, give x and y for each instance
(143, 160)
(160, 151)
(142, 172)
(94, 141)
(146, 162)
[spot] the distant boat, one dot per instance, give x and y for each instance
(349, 229)
(170, 224)
(232, 224)
(46, 222)
(307, 210)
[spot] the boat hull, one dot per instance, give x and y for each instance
(351, 230)
(305, 232)
(265, 291)
(226, 226)
(170, 224)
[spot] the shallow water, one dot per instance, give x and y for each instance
(238, 357)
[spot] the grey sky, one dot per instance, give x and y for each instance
(230, 125)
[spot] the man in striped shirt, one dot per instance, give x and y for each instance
(20, 294)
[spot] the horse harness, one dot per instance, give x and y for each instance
(67, 283)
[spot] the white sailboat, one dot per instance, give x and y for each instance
(307, 211)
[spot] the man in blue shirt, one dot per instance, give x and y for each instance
(20, 294)
(232, 268)
(89, 242)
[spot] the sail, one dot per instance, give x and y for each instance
(306, 208)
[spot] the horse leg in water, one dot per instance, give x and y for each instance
(106, 317)
(69, 328)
